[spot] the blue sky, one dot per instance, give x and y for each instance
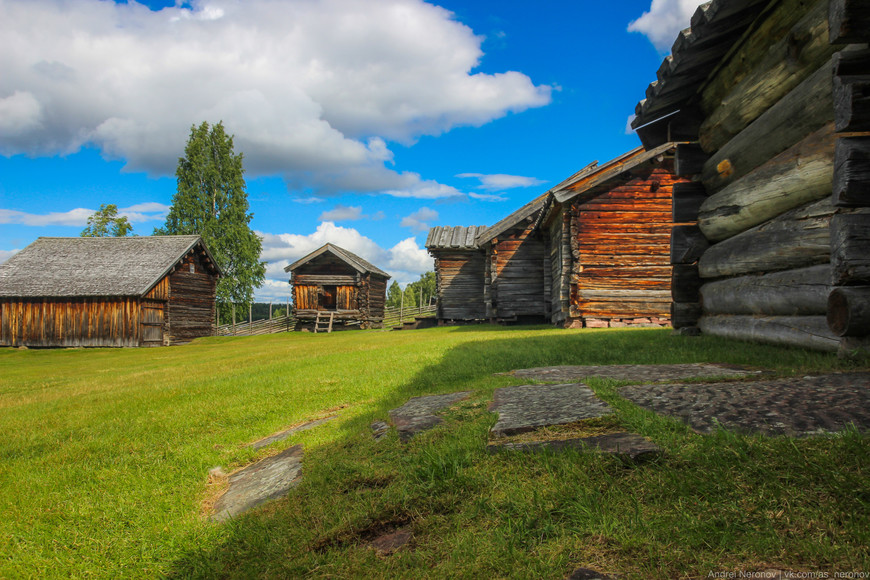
(362, 122)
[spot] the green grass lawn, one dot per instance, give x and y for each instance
(105, 455)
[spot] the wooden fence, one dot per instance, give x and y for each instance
(245, 328)
(396, 316)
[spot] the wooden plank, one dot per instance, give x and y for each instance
(687, 244)
(850, 248)
(685, 283)
(803, 331)
(687, 200)
(849, 311)
(797, 176)
(851, 181)
(685, 314)
(805, 109)
(797, 238)
(852, 90)
(689, 159)
(849, 21)
(801, 292)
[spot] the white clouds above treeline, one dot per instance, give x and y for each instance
(313, 90)
(138, 213)
(664, 20)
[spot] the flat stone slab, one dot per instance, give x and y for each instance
(527, 407)
(629, 446)
(419, 413)
(640, 373)
(288, 432)
(268, 479)
(794, 406)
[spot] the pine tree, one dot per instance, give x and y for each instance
(211, 200)
(105, 222)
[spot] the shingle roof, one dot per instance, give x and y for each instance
(453, 238)
(350, 258)
(513, 219)
(78, 267)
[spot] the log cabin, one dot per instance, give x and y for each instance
(459, 273)
(338, 282)
(771, 101)
(108, 292)
(591, 252)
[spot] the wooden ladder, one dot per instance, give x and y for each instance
(321, 323)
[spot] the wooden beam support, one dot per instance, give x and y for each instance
(851, 186)
(689, 159)
(685, 314)
(796, 176)
(687, 200)
(785, 64)
(849, 311)
(798, 238)
(685, 125)
(801, 292)
(849, 21)
(803, 331)
(850, 248)
(687, 244)
(852, 90)
(804, 110)
(685, 283)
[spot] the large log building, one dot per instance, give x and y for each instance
(333, 280)
(771, 97)
(591, 252)
(108, 292)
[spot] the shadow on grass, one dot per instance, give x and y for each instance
(281, 539)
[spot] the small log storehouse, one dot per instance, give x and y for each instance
(591, 252)
(334, 280)
(108, 292)
(771, 99)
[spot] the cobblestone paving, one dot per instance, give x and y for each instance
(640, 373)
(528, 407)
(418, 414)
(268, 479)
(793, 406)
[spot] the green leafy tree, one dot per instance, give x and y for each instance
(106, 222)
(211, 200)
(394, 295)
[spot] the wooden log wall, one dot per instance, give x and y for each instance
(559, 242)
(377, 297)
(190, 311)
(619, 248)
(460, 284)
(785, 124)
(517, 273)
(86, 322)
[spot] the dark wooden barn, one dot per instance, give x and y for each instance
(608, 230)
(108, 292)
(459, 272)
(591, 252)
(335, 281)
(771, 98)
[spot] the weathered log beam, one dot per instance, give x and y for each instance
(689, 159)
(805, 109)
(799, 175)
(849, 311)
(803, 331)
(849, 20)
(850, 248)
(800, 237)
(686, 201)
(852, 90)
(686, 283)
(851, 185)
(800, 292)
(685, 314)
(687, 244)
(785, 64)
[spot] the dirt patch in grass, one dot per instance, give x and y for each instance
(376, 529)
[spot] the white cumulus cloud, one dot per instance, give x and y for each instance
(138, 213)
(418, 221)
(313, 90)
(342, 213)
(500, 181)
(664, 20)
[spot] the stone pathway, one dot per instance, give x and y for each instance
(795, 406)
(288, 432)
(628, 446)
(527, 407)
(268, 479)
(640, 373)
(419, 413)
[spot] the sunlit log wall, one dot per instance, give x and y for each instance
(782, 152)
